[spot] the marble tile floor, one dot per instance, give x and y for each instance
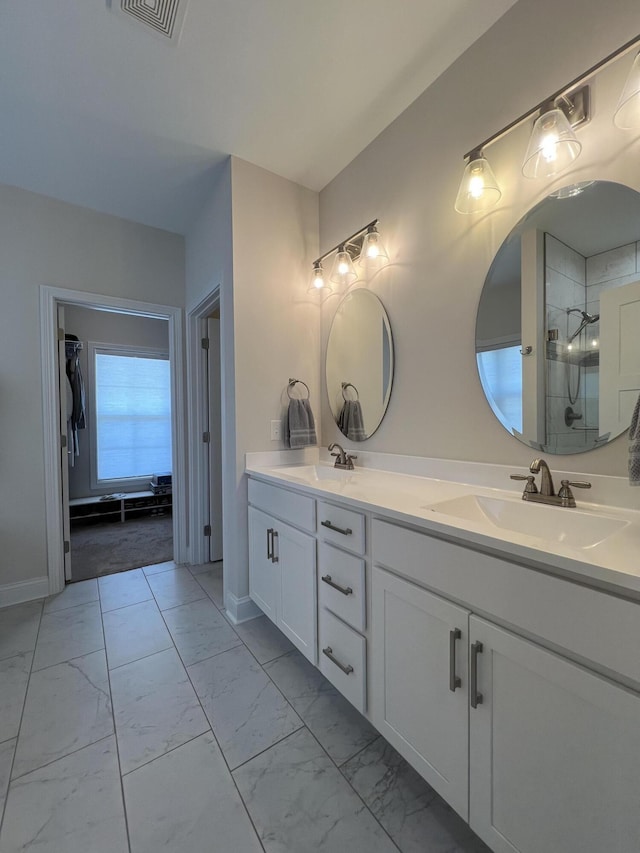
(135, 718)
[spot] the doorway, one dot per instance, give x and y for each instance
(57, 502)
(116, 375)
(205, 445)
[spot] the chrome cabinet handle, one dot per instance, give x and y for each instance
(348, 669)
(269, 544)
(274, 536)
(476, 698)
(454, 680)
(345, 590)
(346, 532)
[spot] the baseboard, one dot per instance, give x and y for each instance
(240, 609)
(16, 593)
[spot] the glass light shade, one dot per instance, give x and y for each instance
(571, 190)
(552, 147)
(479, 189)
(318, 280)
(343, 271)
(627, 114)
(373, 254)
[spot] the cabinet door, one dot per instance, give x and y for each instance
(263, 573)
(554, 752)
(413, 705)
(297, 613)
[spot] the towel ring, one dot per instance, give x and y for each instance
(346, 385)
(293, 382)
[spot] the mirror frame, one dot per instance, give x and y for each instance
(387, 325)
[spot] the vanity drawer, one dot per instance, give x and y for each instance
(341, 526)
(291, 507)
(343, 658)
(346, 571)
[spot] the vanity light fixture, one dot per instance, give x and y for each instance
(343, 271)
(318, 279)
(627, 114)
(553, 145)
(373, 254)
(365, 244)
(479, 189)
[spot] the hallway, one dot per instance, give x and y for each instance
(134, 717)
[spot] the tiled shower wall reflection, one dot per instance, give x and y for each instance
(573, 281)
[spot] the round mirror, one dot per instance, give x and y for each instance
(558, 326)
(359, 364)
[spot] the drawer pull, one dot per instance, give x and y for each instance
(347, 531)
(454, 680)
(476, 698)
(274, 536)
(269, 544)
(345, 590)
(348, 669)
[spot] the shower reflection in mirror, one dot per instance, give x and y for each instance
(557, 342)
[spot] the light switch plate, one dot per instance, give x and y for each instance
(276, 430)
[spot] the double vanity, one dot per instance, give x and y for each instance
(494, 642)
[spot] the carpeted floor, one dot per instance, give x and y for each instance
(108, 547)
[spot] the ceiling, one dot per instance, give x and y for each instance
(99, 111)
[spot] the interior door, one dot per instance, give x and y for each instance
(619, 357)
(215, 439)
(65, 448)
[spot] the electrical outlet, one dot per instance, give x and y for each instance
(276, 430)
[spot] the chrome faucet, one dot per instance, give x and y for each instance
(343, 459)
(547, 495)
(546, 481)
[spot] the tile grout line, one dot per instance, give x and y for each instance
(115, 731)
(338, 768)
(68, 660)
(62, 757)
(223, 756)
(24, 702)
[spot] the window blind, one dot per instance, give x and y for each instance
(133, 416)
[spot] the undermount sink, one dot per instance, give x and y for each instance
(570, 527)
(316, 473)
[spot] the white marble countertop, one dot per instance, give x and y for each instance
(612, 564)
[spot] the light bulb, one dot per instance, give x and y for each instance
(570, 347)
(594, 342)
(343, 267)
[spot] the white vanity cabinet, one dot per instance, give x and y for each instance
(342, 572)
(282, 562)
(419, 682)
(538, 752)
(554, 751)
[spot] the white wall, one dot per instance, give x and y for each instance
(108, 328)
(276, 328)
(409, 177)
(43, 241)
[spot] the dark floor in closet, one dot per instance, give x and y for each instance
(108, 547)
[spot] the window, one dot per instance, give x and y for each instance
(132, 407)
(501, 376)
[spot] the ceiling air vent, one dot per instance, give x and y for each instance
(162, 17)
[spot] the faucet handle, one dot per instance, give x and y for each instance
(350, 458)
(530, 488)
(581, 484)
(566, 495)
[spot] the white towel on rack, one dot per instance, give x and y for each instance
(634, 447)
